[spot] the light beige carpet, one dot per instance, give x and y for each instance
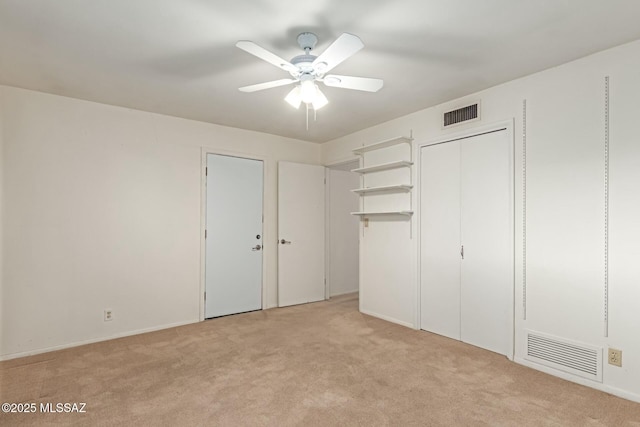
(314, 364)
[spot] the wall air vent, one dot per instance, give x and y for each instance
(575, 358)
(464, 114)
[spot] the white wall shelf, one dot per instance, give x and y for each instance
(400, 187)
(383, 144)
(383, 166)
(404, 213)
(385, 203)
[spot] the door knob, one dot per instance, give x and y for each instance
(256, 248)
(285, 242)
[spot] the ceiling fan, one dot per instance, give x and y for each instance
(307, 69)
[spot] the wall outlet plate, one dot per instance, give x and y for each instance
(615, 357)
(108, 315)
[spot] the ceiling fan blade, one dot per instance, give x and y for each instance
(267, 85)
(357, 83)
(265, 55)
(342, 48)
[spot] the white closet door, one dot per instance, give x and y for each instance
(440, 239)
(487, 237)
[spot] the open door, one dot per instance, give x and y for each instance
(301, 231)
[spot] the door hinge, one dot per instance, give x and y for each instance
(205, 234)
(205, 296)
(206, 171)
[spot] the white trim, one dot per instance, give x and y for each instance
(508, 126)
(94, 340)
(203, 219)
(327, 233)
(387, 318)
(353, 291)
(578, 380)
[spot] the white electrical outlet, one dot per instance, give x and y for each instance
(108, 315)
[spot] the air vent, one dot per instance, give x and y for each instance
(575, 358)
(464, 114)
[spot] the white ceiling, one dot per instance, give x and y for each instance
(178, 57)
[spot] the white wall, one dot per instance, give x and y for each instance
(565, 207)
(342, 230)
(624, 231)
(102, 209)
(2, 169)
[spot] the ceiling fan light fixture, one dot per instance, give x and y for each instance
(312, 96)
(308, 91)
(320, 100)
(294, 98)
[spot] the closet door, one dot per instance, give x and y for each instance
(440, 239)
(486, 225)
(466, 240)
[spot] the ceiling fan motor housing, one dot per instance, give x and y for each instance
(304, 63)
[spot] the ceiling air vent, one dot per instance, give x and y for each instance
(464, 114)
(575, 358)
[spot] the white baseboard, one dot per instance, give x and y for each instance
(388, 319)
(92, 341)
(345, 293)
(582, 381)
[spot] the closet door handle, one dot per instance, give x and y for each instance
(462, 251)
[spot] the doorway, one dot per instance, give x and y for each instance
(342, 230)
(233, 236)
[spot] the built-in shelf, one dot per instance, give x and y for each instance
(383, 166)
(383, 144)
(404, 213)
(389, 187)
(401, 187)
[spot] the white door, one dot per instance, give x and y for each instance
(466, 242)
(233, 270)
(440, 239)
(301, 225)
(487, 239)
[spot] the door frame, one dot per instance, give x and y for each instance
(204, 151)
(338, 165)
(508, 126)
